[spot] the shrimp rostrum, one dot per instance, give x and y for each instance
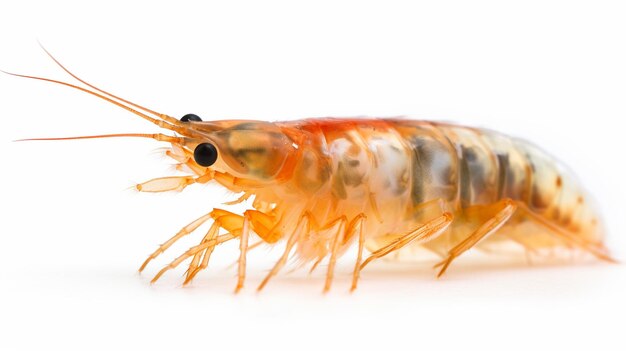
(320, 186)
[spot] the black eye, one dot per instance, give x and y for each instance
(205, 154)
(190, 117)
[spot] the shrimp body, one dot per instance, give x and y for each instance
(323, 185)
(400, 173)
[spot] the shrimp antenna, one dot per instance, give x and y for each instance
(145, 109)
(158, 122)
(158, 136)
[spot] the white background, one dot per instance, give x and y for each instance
(73, 235)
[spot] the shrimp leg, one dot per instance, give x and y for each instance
(243, 249)
(192, 251)
(235, 227)
(486, 229)
(233, 223)
(194, 268)
(303, 226)
(334, 249)
(359, 222)
(306, 221)
(428, 231)
(188, 229)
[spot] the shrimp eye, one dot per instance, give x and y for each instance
(190, 117)
(205, 154)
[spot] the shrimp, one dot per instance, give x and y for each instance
(321, 186)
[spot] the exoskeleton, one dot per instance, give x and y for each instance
(324, 185)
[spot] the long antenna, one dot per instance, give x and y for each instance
(158, 122)
(160, 115)
(157, 136)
